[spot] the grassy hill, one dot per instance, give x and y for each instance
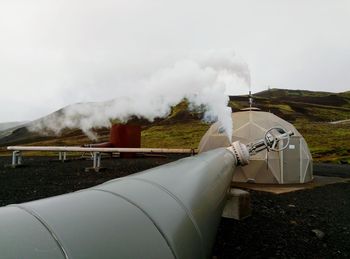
(311, 113)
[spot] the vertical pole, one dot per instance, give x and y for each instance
(60, 155)
(281, 160)
(19, 158)
(94, 160)
(98, 159)
(301, 178)
(64, 156)
(14, 158)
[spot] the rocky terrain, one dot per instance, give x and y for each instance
(313, 223)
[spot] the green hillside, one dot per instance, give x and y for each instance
(311, 113)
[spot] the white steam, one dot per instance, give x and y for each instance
(201, 78)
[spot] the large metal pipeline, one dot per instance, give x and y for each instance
(171, 211)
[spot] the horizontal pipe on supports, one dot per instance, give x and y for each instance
(107, 150)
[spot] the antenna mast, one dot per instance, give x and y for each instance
(250, 99)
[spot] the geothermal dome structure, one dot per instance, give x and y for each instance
(292, 165)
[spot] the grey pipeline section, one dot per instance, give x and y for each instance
(171, 211)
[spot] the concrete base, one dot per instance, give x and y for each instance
(238, 205)
(94, 169)
(285, 188)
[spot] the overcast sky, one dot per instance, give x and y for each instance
(57, 52)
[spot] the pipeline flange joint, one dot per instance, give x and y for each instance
(241, 153)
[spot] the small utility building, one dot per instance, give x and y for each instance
(292, 165)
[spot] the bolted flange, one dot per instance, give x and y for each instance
(241, 153)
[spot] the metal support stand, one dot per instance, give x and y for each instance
(16, 158)
(96, 160)
(62, 156)
(96, 163)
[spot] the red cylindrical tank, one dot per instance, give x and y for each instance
(124, 136)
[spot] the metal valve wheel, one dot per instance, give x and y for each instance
(273, 136)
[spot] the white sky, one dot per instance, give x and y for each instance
(57, 52)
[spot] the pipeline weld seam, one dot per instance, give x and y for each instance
(144, 212)
(188, 213)
(42, 222)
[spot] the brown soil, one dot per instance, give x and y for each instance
(280, 227)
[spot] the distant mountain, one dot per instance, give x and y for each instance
(311, 97)
(293, 105)
(7, 128)
(21, 134)
(8, 125)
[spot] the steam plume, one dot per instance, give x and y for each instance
(201, 78)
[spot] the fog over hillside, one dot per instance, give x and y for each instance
(202, 78)
(8, 125)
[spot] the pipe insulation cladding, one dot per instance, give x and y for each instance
(172, 211)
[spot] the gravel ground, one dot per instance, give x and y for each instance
(42, 177)
(313, 223)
